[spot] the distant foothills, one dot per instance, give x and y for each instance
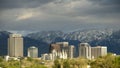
(43, 39)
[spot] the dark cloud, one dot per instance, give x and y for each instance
(106, 7)
(99, 8)
(1, 24)
(8, 4)
(107, 2)
(64, 1)
(59, 14)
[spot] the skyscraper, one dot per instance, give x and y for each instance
(33, 52)
(59, 46)
(98, 51)
(85, 50)
(71, 51)
(55, 47)
(63, 46)
(15, 45)
(59, 50)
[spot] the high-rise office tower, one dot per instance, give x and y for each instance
(63, 46)
(59, 50)
(98, 51)
(55, 47)
(15, 45)
(85, 50)
(33, 52)
(71, 51)
(59, 46)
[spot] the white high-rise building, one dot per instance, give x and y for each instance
(85, 50)
(15, 45)
(33, 52)
(71, 51)
(98, 51)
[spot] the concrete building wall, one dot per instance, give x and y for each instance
(98, 51)
(33, 52)
(15, 45)
(54, 47)
(59, 46)
(71, 51)
(85, 50)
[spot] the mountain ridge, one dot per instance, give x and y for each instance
(42, 40)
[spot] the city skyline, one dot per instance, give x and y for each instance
(65, 15)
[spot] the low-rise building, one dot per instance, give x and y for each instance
(33, 52)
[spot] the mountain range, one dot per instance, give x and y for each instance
(43, 39)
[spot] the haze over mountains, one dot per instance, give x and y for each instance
(106, 37)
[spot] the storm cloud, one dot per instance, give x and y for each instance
(65, 15)
(10, 4)
(107, 2)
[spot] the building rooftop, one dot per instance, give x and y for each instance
(32, 47)
(15, 35)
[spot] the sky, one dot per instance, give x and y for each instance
(64, 15)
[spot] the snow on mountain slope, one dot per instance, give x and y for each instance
(82, 36)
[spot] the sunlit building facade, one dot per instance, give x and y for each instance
(84, 50)
(15, 45)
(98, 51)
(33, 52)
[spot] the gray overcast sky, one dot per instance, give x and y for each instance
(65, 15)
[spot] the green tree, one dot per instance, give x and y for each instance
(57, 64)
(107, 61)
(1, 59)
(13, 64)
(81, 62)
(73, 63)
(29, 59)
(97, 63)
(66, 64)
(36, 66)
(117, 62)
